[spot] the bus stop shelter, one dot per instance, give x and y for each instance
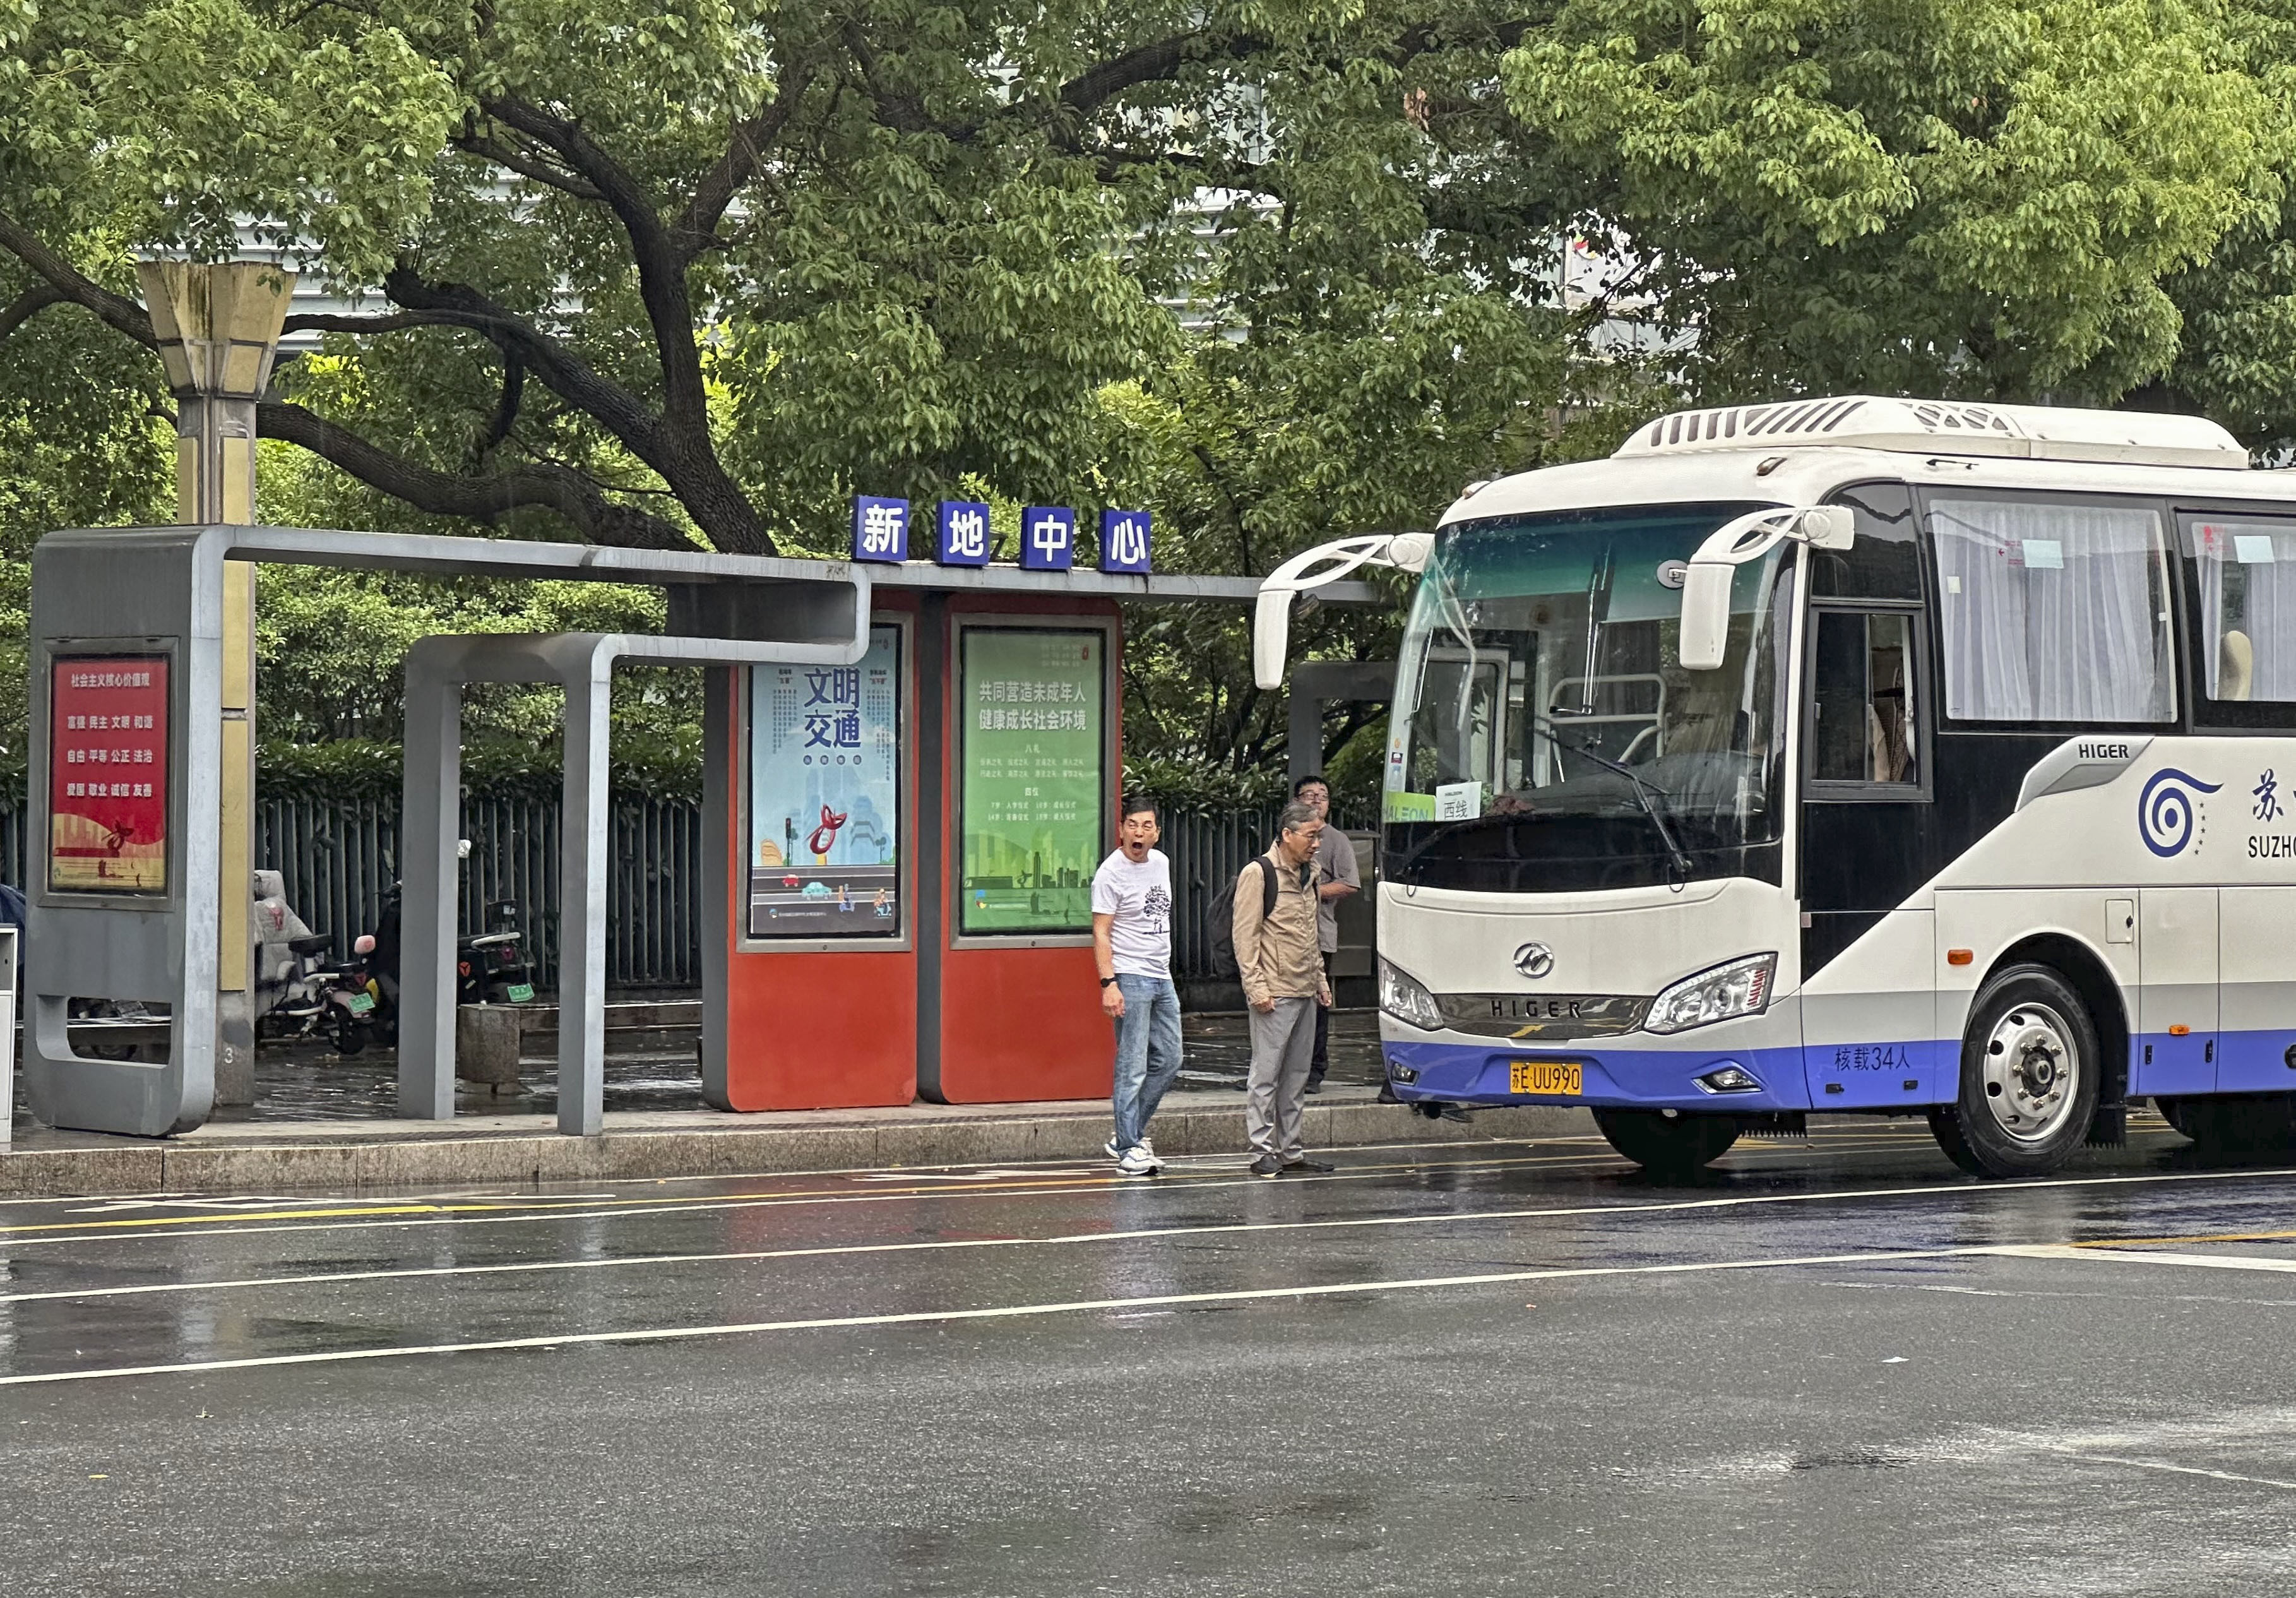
(910, 772)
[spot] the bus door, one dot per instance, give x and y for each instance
(1869, 826)
(1865, 822)
(2177, 964)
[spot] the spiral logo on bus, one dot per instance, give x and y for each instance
(2168, 809)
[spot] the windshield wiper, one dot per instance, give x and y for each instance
(1643, 791)
(1646, 795)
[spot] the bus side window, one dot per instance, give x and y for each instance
(1862, 722)
(2247, 570)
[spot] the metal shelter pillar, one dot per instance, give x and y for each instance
(218, 329)
(583, 665)
(1315, 684)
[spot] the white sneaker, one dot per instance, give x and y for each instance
(1137, 1161)
(1149, 1143)
(1110, 1150)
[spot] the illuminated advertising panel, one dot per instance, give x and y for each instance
(108, 775)
(824, 797)
(1033, 742)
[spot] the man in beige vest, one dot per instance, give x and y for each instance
(1283, 968)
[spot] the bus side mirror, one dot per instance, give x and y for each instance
(1705, 635)
(1271, 636)
(1706, 615)
(1303, 573)
(1827, 527)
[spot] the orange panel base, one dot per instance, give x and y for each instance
(1021, 1024)
(824, 1031)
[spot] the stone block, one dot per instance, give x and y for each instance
(486, 1045)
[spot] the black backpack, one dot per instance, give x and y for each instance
(1221, 917)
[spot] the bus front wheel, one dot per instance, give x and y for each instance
(1668, 1146)
(2028, 1078)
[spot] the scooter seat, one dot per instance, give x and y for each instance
(310, 942)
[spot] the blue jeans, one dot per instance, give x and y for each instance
(1147, 1053)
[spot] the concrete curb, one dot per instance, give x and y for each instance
(339, 1159)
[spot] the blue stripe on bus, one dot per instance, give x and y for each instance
(1869, 1077)
(1644, 1079)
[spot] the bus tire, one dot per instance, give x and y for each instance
(1668, 1146)
(2029, 1074)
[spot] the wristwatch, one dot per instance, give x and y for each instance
(1108, 981)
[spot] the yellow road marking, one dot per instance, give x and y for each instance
(2162, 1242)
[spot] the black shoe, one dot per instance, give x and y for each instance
(1387, 1094)
(1267, 1164)
(1308, 1168)
(1315, 1085)
(1459, 1113)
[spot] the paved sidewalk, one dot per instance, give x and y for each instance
(260, 1155)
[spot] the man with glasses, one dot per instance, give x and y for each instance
(1337, 876)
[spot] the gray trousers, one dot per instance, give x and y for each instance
(1282, 1040)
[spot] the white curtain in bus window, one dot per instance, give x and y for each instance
(2247, 608)
(2052, 612)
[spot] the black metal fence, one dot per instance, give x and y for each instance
(338, 857)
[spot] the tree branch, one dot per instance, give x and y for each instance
(458, 305)
(697, 226)
(679, 449)
(517, 160)
(484, 497)
(514, 390)
(319, 322)
(662, 265)
(1090, 90)
(118, 311)
(28, 305)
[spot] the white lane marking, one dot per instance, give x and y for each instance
(2154, 1464)
(1136, 1235)
(1832, 1140)
(1000, 1312)
(2037, 1250)
(1949, 1189)
(1069, 1188)
(2214, 1262)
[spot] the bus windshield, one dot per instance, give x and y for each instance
(1546, 736)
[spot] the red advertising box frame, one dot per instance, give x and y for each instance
(1019, 1016)
(821, 1023)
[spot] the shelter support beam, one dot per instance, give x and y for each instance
(1315, 683)
(583, 665)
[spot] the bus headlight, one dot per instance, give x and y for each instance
(1407, 999)
(1741, 988)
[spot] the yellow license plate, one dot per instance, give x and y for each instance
(1552, 1078)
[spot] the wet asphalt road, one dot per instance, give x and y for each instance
(1831, 1369)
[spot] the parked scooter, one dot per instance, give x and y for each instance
(490, 967)
(300, 993)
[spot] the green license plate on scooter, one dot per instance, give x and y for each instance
(521, 992)
(362, 1004)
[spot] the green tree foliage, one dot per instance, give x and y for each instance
(1973, 196)
(699, 272)
(692, 271)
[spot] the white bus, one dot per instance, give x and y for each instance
(1847, 755)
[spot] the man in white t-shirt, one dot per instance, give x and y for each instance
(1132, 946)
